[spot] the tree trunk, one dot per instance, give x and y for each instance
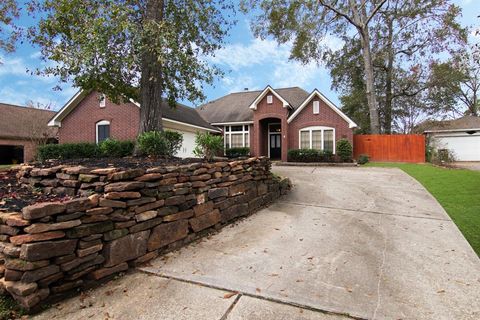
(151, 89)
(389, 80)
(369, 80)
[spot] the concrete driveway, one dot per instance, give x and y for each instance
(472, 165)
(365, 243)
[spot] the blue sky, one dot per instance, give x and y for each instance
(248, 63)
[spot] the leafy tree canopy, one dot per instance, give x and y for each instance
(139, 49)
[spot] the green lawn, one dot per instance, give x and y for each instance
(457, 190)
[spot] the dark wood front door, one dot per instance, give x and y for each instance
(275, 146)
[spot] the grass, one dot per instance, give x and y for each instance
(457, 190)
(9, 309)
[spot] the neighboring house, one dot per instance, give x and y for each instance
(21, 129)
(270, 121)
(461, 136)
(273, 121)
(91, 117)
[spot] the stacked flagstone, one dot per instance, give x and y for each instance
(121, 219)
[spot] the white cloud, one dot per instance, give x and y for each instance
(12, 66)
(260, 62)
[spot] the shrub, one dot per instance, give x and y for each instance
(174, 141)
(304, 155)
(208, 145)
(157, 143)
(67, 151)
(310, 155)
(443, 157)
(344, 150)
(115, 148)
(237, 152)
(363, 158)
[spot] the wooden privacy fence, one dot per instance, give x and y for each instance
(390, 147)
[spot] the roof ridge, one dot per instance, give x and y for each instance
(24, 107)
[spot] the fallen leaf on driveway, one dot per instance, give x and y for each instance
(230, 294)
(273, 275)
(258, 290)
(441, 291)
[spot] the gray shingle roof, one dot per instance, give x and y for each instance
(185, 114)
(465, 122)
(17, 122)
(234, 107)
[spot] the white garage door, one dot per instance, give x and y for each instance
(186, 151)
(465, 147)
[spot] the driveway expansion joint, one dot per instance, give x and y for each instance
(242, 293)
(229, 310)
(362, 211)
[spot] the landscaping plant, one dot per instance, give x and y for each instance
(208, 145)
(363, 159)
(115, 148)
(67, 151)
(237, 152)
(344, 150)
(159, 143)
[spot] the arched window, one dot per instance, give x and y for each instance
(102, 130)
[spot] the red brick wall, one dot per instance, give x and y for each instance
(327, 117)
(264, 110)
(80, 124)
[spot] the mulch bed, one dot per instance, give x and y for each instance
(13, 197)
(121, 163)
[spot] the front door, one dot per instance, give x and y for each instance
(275, 145)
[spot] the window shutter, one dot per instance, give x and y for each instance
(316, 107)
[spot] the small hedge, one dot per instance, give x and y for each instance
(115, 148)
(237, 152)
(160, 143)
(310, 155)
(107, 148)
(344, 150)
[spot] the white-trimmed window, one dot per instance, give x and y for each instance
(102, 100)
(102, 131)
(269, 99)
(316, 107)
(320, 138)
(236, 136)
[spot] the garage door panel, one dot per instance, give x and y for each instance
(465, 147)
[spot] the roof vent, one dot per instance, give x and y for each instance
(245, 89)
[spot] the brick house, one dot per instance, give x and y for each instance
(21, 129)
(272, 121)
(91, 117)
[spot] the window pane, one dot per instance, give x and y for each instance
(317, 139)
(279, 143)
(103, 132)
(305, 139)
(247, 140)
(237, 128)
(328, 143)
(245, 127)
(227, 128)
(227, 141)
(237, 140)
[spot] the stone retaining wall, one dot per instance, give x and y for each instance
(123, 218)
